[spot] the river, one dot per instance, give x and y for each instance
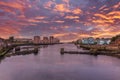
(49, 64)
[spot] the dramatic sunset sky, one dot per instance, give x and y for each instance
(65, 19)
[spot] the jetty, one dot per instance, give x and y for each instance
(23, 51)
(95, 50)
(16, 46)
(63, 51)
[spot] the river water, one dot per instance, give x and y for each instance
(49, 64)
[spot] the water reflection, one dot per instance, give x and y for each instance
(49, 64)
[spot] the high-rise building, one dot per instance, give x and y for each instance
(56, 40)
(36, 39)
(51, 39)
(45, 40)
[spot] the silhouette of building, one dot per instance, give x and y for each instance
(23, 40)
(36, 39)
(3, 43)
(45, 40)
(51, 39)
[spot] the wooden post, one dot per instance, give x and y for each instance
(62, 51)
(17, 49)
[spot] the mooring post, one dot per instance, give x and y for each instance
(17, 49)
(62, 50)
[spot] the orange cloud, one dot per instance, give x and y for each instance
(34, 20)
(9, 11)
(65, 27)
(53, 28)
(77, 21)
(59, 21)
(13, 5)
(106, 19)
(7, 31)
(40, 17)
(114, 14)
(106, 31)
(100, 21)
(116, 6)
(61, 8)
(72, 17)
(77, 11)
(49, 4)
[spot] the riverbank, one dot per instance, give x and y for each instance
(4, 51)
(109, 50)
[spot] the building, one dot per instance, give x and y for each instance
(107, 40)
(23, 40)
(36, 39)
(103, 41)
(56, 40)
(2, 43)
(46, 40)
(84, 41)
(51, 39)
(97, 41)
(89, 40)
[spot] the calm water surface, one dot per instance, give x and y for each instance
(50, 65)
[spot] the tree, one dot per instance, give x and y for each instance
(115, 37)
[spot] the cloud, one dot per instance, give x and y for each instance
(65, 19)
(61, 8)
(59, 21)
(77, 11)
(71, 17)
(7, 31)
(13, 5)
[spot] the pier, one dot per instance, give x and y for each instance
(63, 51)
(95, 50)
(23, 51)
(15, 46)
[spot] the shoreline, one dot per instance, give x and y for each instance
(107, 50)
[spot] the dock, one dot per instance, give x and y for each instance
(62, 51)
(92, 52)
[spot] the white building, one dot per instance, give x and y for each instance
(84, 41)
(99, 41)
(103, 41)
(89, 40)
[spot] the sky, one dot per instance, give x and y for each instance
(65, 19)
